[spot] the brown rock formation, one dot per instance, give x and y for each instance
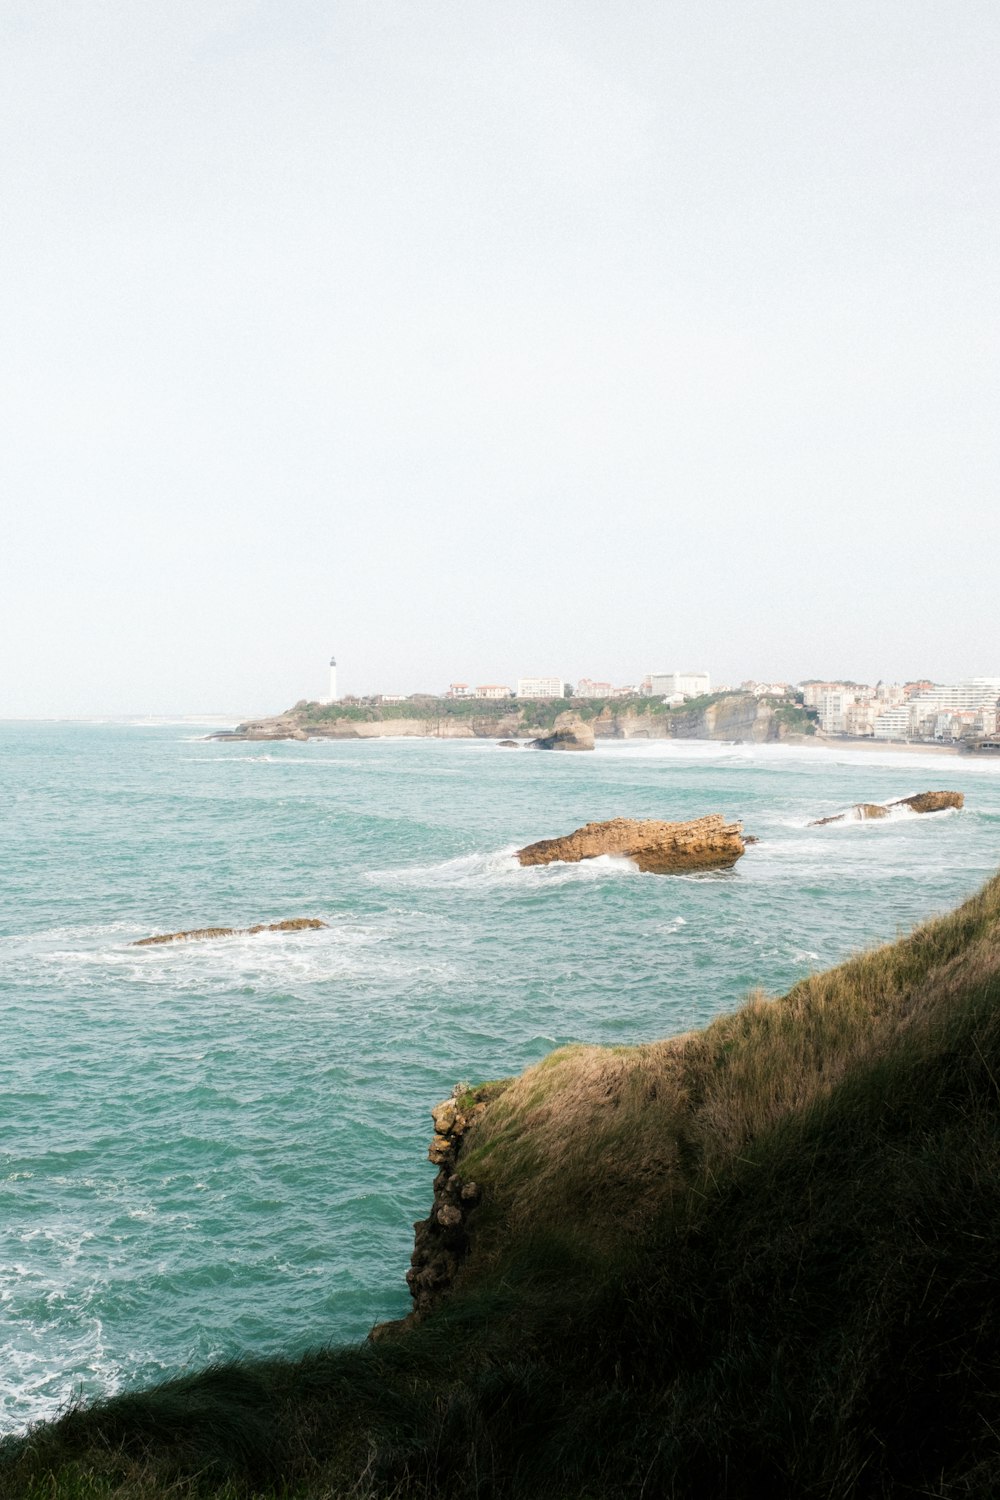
(570, 733)
(923, 802)
(708, 843)
(441, 1240)
(291, 924)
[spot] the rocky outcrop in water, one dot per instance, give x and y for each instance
(570, 733)
(708, 843)
(925, 802)
(922, 802)
(291, 924)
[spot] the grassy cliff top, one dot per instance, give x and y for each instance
(535, 712)
(755, 1260)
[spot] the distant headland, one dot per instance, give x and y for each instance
(667, 705)
(712, 716)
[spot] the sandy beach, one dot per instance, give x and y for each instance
(838, 743)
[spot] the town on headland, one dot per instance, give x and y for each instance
(665, 705)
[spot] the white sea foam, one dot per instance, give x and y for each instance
(781, 754)
(89, 957)
(851, 818)
(500, 868)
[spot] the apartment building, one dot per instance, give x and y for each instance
(539, 687)
(832, 706)
(894, 723)
(969, 695)
(679, 684)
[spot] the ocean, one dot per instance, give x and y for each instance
(218, 1148)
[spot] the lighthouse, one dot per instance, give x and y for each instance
(333, 680)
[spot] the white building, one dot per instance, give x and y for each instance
(679, 684)
(766, 689)
(539, 687)
(493, 690)
(812, 692)
(588, 688)
(969, 695)
(832, 705)
(894, 723)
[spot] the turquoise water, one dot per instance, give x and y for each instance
(218, 1148)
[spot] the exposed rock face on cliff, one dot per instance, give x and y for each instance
(291, 727)
(281, 727)
(570, 733)
(923, 802)
(708, 843)
(737, 717)
(441, 1240)
(291, 924)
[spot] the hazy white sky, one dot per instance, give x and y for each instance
(473, 340)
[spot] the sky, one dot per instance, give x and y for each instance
(471, 341)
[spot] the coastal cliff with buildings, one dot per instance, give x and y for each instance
(718, 716)
(668, 705)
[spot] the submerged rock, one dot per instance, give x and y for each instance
(708, 843)
(291, 924)
(508, 745)
(922, 802)
(570, 733)
(861, 812)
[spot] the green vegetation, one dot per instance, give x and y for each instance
(697, 705)
(757, 1260)
(373, 712)
(796, 719)
(535, 713)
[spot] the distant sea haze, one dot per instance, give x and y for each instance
(219, 1147)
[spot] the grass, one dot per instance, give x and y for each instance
(759, 1259)
(537, 714)
(419, 708)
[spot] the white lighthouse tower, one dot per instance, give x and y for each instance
(333, 680)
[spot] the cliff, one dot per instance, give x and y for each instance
(756, 1259)
(724, 716)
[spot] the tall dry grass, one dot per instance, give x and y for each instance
(611, 1133)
